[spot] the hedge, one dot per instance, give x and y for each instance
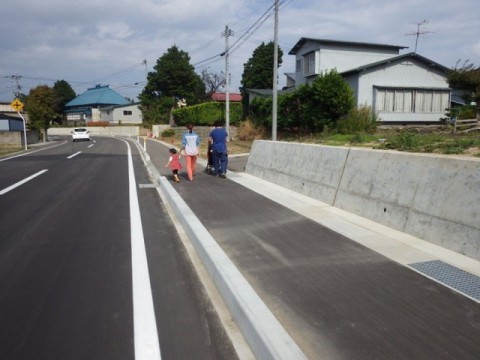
(207, 113)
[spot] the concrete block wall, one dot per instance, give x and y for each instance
(433, 197)
(16, 138)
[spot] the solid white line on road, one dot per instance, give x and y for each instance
(145, 331)
(71, 156)
(31, 152)
(4, 191)
(90, 145)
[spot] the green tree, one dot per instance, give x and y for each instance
(258, 71)
(173, 78)
(311, 107)
(325, 101)
(63, 93)
(467, 79)
(40, 106)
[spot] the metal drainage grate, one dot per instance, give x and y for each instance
(452, 276)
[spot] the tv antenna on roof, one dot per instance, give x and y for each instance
(419, 32)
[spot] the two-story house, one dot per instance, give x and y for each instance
(402, 89)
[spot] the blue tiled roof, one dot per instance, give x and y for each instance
(99, 95)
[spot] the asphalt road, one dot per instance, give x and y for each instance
(67, 245)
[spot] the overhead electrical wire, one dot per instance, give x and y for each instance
(243, 38)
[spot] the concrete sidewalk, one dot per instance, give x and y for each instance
(303, 279)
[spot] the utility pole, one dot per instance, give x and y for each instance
(419, 32)
(275, 75)
(227, 34)
(18, 87)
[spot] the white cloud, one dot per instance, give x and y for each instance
(83, 42)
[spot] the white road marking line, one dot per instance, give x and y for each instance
(147, 346)
(90, 145)
(71, 156)
(31, 152)
(4, 191)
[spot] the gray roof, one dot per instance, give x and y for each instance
(303, 40)
(99, 95)
(266, 92)
(428, 62)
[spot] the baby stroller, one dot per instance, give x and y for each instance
(210, 169)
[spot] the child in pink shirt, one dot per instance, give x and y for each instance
(174, 163)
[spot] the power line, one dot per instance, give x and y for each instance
(119, 72)
(244, 37)
(256, 25)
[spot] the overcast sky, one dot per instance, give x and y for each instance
(105, 42)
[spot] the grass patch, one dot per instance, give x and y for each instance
(420, 140)
(7, 150)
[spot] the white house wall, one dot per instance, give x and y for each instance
(106, 115)
(116, 115)
(95, 115)
(340, 57)
(135, 118)
(347, 58)
(405, 74)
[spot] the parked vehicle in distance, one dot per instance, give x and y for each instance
(80, 134)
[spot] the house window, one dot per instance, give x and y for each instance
(309, 64)
(127, 112)
(411, 100)
(74, 116)
(298, 66)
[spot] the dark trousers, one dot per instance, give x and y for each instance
(220, 162)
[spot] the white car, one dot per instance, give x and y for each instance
(80, 134)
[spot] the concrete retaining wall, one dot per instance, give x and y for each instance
(435, 198)
(16, 138)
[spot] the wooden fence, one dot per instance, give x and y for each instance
(466, 125)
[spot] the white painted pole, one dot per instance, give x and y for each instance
(227, 94)
(24, 130)
(275, 75)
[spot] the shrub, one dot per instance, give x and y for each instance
(325, 101)
(206, 114)
(311, 108)
(168, 133)
(261, 111)
(248, 131)
(403, 141)
(362, 119)
(467, 112)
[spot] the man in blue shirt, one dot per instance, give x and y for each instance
(218, 139)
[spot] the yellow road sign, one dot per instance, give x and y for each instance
(17, 105)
